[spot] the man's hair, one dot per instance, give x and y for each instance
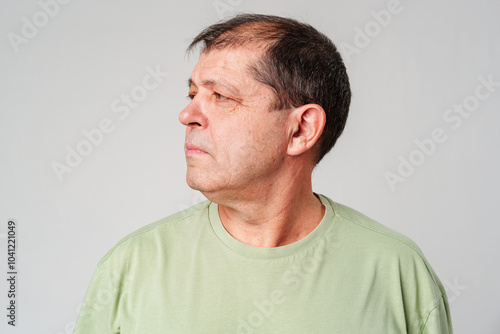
(301, 64)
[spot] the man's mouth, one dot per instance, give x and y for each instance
(191, 149)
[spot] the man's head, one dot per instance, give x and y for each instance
(298, 62)
(261, 93)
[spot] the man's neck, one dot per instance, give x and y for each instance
(276, 217)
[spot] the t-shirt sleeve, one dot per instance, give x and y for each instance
(439, 319)
(98, 314)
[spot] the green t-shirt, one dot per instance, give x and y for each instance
(187, 274)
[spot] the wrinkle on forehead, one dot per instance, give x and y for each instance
(231, 65)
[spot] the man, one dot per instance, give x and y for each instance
(269, 98)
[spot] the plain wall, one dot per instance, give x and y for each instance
(408, 157)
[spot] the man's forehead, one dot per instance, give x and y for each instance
(237, 59)
(225, 67)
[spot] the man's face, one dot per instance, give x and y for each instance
(234, 142)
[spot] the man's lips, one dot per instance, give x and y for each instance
(192, 149)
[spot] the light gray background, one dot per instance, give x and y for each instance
(64, 79)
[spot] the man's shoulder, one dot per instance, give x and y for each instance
(192, 213)
(170, 227)
(372, 233)
(376, 244)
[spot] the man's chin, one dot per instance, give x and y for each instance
(198, 183)
(210, 190)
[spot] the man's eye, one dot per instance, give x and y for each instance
(191, 96)
(220, 97)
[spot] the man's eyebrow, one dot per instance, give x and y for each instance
(221, 83)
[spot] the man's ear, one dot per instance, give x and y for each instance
(307, 123)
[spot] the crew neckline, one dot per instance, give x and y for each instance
(256, 252)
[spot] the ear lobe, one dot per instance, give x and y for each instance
(309, 121)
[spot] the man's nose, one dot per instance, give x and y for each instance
(193, 115)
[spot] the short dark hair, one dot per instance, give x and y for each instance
(301, 64)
